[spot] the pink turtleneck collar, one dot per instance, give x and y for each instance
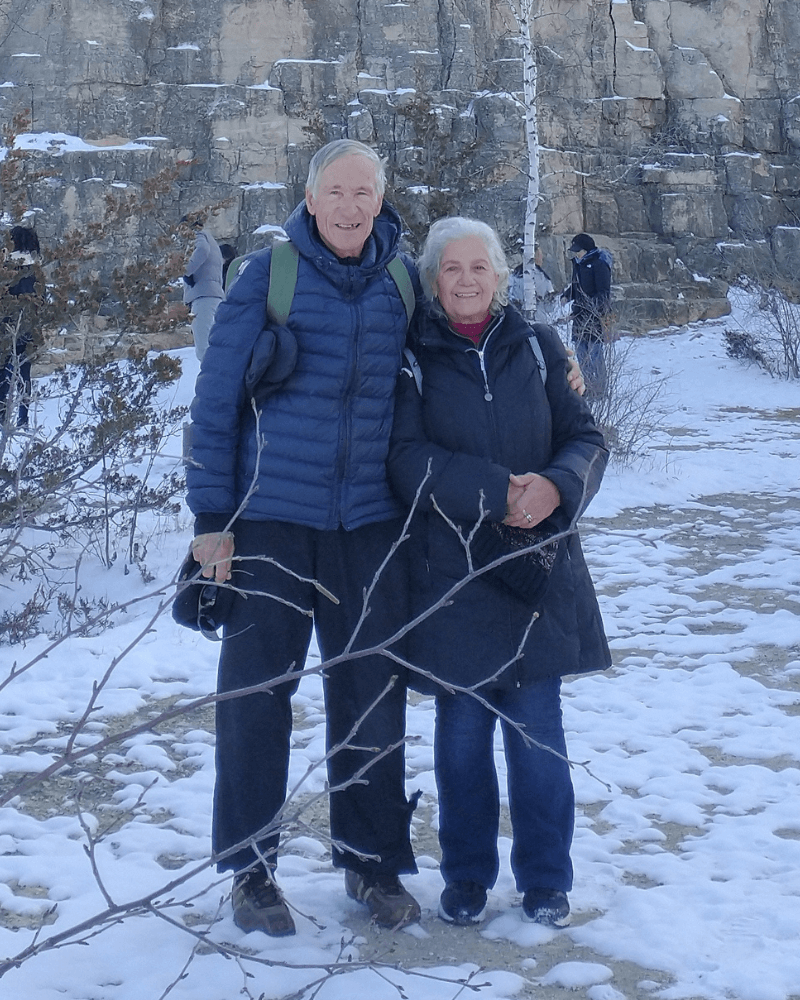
(472, 330)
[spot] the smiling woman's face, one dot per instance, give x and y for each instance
(466, 281)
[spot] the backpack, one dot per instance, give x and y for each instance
(533, 341)
(283, 268)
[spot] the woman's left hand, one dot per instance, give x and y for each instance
(537, 500)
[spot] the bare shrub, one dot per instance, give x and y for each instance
(770, 333)
(632, 408)
(82, 474)
(78, 478)
(628, 404)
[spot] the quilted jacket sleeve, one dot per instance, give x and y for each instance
(219, 413)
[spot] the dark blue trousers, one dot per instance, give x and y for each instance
(265, 638)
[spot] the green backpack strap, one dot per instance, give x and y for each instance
(283, 278)
(233, 271)
(399, 273)
(282, 281)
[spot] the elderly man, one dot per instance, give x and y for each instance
(306, 467)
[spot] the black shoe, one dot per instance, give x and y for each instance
(463, 903)
(258, 904)
(546, 906)
(389, 903)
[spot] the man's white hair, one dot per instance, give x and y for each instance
(331, 152)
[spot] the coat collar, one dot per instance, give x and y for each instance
(436, 333)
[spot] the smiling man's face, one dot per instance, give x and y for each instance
(346, 204)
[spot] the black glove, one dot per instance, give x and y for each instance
(200, 604)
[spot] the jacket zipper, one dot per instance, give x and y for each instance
(487, 393)
(343, 455)
(489, 397)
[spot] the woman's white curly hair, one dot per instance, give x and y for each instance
(457, 228)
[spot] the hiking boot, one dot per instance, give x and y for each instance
(258, 904)
(463, 903)
(546, 906)
(388, 902)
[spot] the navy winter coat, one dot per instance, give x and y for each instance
(326, 431)
(482, 415)
(590, 292)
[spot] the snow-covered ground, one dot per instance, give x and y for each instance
(687, 848)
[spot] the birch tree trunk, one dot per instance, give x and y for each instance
(525, 12)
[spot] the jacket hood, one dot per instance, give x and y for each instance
(599, 253)
(381, 246)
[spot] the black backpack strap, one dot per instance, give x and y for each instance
(416, 371)
(414, 367)
(537, 353)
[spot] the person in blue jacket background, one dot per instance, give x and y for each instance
(296, 472)
(17, 319)
(590, 295)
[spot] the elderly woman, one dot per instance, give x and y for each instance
(485, 412)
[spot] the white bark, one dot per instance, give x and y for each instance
(525, 12)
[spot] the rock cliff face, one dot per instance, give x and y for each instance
(669, 129)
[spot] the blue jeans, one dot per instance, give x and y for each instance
(541, 798)
(591, 357)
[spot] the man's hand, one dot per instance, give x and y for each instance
(531, 498)
(574, 373)
(214, 552)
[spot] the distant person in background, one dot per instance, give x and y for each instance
(590, 294)
(16, 326)
(202, 283)
(228, 251)
(546, 306)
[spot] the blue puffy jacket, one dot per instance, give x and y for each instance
(326, 431)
